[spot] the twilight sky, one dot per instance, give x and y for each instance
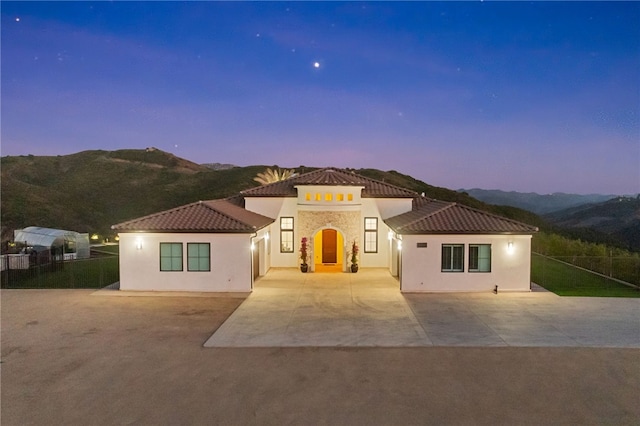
(540, 97)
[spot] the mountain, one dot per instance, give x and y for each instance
(539, 204)
(219, 166)
(618, 219)
(91, 190)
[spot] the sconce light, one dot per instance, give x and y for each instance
(399, 245)
(253, 246)
(139, 244)
(510, 247)
(266, 236)
(390, 235)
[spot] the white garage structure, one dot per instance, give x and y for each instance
(223, 245)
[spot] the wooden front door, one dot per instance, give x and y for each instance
(329, 246)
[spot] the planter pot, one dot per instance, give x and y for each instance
(304, 267)
(354, 268)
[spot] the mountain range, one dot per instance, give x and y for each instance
(536, 203)
(91, 190)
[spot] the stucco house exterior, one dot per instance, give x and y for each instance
(225, 245)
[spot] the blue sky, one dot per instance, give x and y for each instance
(539, 97)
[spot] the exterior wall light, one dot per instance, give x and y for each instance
(510, 247)
(390, 235)
(266, 236)
(253, 246)
(399, 245)
(139, 244)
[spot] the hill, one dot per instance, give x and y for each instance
(617, 219)
(539, 204)
(91, 190)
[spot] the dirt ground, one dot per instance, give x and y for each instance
(72, 358)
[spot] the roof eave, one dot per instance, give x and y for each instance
(402, 232)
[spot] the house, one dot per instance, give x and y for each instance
(224, 245)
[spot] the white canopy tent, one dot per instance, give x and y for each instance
(68, 241)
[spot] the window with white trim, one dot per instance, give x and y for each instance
(286, 235)
(370, 234)
(453, 258)
(479, 257)
(198, 257)
(171, 256)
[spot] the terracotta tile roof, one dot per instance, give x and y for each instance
(330, 176)
(215, 216)
(439, 217)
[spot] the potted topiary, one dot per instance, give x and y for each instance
(354, 257)
(304, 255)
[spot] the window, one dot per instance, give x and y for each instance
(198, 258)
(307, 197)
(370, 234)
(340, 197)
(171, 256)
(479, 257)
(318, 197)
(286, 235)
(349, 197)
(452, 257)
(328, 196)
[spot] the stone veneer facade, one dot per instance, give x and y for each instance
(346, 222)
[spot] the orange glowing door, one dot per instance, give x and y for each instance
(329, 246)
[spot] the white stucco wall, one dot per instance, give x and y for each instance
(327, 214)
(389, 207)
(267, 206)
(230, 263)
(421, 267)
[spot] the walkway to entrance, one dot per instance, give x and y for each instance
(288, 308)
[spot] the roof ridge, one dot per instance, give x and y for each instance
(161, 213)
(498, 216)
(210, 207)
(447, 206)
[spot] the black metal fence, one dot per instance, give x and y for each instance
(587, 275)
(86, 273)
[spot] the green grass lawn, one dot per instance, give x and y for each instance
(89, 273)
(565, 280)
(107, 249)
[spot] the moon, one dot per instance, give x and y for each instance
(316, 64)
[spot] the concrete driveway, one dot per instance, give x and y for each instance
(288, 308)
(72, 358)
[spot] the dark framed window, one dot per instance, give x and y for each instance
(453, 258)
(479, 257)
(171, 256)
(198, 257)
(370, 234)
(286, 235)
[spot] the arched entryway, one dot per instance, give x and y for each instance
(328, 249)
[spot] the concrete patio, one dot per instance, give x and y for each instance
(366, 309)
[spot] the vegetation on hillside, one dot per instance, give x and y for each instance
(90, 191)
(614, 222)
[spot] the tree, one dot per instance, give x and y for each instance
(274, 175)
